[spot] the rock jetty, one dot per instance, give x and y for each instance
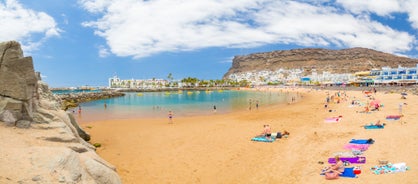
(40, 142)
(70, 100)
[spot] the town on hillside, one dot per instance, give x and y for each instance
(384, 76)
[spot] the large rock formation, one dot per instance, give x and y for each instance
(41, 143)
(335, 61)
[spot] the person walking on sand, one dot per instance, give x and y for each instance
(170, 116)
(214, 108)
(400, 108)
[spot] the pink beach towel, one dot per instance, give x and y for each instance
(333, 120)
(361, 147)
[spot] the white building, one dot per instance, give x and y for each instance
(397, 75)
(116, 82)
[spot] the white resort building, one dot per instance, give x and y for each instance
(400, 75)
(116, 82)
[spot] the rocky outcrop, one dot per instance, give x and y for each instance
(70, 100)
(335, 61)
(40, 142)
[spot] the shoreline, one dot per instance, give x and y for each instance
(90, 114)
(217, 148)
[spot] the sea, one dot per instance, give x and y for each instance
(181, 103)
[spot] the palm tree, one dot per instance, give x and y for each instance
(170, 78)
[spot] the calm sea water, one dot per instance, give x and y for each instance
(182, 103)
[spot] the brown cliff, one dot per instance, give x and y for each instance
(40, 143)
(335, 61)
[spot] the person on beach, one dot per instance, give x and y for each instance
(366, 110)
(266, 132)
(379, 124)
(79, 109)
(170, 116)
(400, 108)
(285, 134)
(338, 167)
(214, 108)
(105, 105)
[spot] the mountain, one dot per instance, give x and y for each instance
(334, 61)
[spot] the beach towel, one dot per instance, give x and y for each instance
(389, 168)
(344, 154)
(333, 120)
(361, 147)
(393, 117)
(362, 141)
(352, 160)
(263, 139)
(348, 173)
(374, 126)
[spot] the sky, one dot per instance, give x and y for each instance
(85, 42)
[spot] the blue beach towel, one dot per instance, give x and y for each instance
(263, 139)
(348, 172)
(373, 127)
(362, 141)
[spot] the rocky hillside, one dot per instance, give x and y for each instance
(335, 61)
(39, 142)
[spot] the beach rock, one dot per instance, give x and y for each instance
(18, 81)
(45, 144)
(100, 172)
(71, 100)
(8, 117)
(80, 131)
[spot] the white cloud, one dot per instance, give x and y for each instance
(103, 51)
(227, 60)
(142, 28)
(380, 7)
(384, 8)
(20, 24)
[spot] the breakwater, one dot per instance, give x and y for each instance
(70, 100)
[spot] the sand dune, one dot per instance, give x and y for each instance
(217, 148)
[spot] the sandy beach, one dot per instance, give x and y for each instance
(218, 148)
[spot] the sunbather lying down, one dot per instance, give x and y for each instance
(366, 110)
(378, 124)
(279, 135)
(268, 134)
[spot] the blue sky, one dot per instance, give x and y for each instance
(84, 42)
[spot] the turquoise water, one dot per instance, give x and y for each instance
(182, 103)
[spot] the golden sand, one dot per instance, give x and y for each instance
(217, 148)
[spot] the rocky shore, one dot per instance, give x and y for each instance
(71, 100)
(40, 142)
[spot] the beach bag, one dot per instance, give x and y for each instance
(331, 175)
(279, 135)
